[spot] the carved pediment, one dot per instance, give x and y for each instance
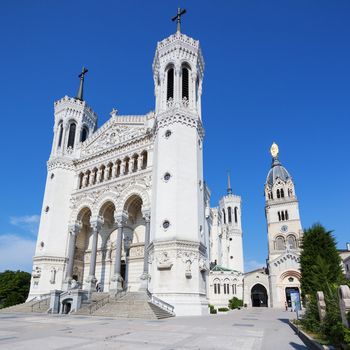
(112, 136)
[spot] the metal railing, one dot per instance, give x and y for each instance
(161, 303)
(98, 304)
(45, 299)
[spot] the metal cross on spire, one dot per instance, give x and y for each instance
(177, 18)
(81, 85)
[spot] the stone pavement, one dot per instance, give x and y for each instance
(251, 329)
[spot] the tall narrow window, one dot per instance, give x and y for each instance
(185, 89)
(278, 193)
(236, 215)
(224, 288)
(60, 135)
(282, 215)
(282, 193)
(286, 215)
(279, 216)
(170, 86)
(215, 290)
(224, 215)
(84, 134)
(144, 159)
(71, 136)
(229, 210)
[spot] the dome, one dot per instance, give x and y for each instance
(277, 171)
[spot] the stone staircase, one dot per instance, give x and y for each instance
(97, 300)
(38, 306)
(130, 305)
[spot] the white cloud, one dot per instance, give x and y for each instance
(250, 265)
(27, 222)
(16, 252)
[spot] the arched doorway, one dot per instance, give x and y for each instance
(259, 296)
(67, 306)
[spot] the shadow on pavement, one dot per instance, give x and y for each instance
(298, 346)
(284, 320)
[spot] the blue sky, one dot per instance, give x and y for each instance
(275, 71)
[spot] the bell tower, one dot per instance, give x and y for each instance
(74, 122)
(281, 209)
(231, 230)
(178, 245)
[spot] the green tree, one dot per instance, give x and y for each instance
(321, 271)
(14, 287)
(319, 261)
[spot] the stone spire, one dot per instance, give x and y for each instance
(81, 85)
(229, 189)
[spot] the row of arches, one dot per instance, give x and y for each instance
(281, 242)
(72, 131)
(185, 73)
(280, 193)
(226, 287)
(115, 247)
(112, 170)
(283, 215)
(229, 215)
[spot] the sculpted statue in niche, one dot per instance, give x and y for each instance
(164, 262)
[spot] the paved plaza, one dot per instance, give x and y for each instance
(257, 328)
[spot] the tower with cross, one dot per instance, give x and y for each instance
(178, 217)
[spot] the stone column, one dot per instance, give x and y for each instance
(114, 170)
(139, 162)
(91, 280)
(73, 232)
(116, 281)
(122, 167)
(145, 275)
(85, 180)
(91, 180)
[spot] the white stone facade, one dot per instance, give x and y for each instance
(126, 205)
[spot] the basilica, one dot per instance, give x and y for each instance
(126, 207)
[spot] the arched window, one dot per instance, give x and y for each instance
(170, 86)
(216, 286)
(229, 211)
(94, 176)
(84, 134)
(109, 171)
(185, 81)
(292, 242)
(127, 165)
(60, 134)
(234, 289)
(286, 215)
(71, 136)
(102, 170)
(224, 215)
(280, 243)
(81, 177)
(278, 193)
(236, 215)
(118, 167)
(282, 193)
(144, 159)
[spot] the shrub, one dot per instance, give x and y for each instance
(235, 303)
(223, 309)
(212, 309)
